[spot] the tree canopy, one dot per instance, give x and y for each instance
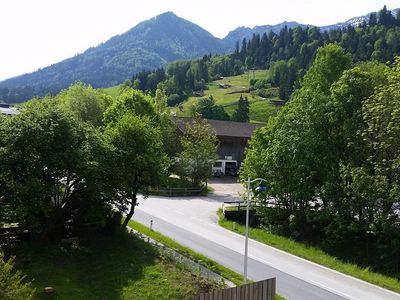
(330, 159)
(62, 167)
(199, 152)
(207, 109)
(47, 156)
(138, 157)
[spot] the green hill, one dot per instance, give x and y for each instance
(226, 92)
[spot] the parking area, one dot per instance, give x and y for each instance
(226, 186)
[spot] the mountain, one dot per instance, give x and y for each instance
(354, 21)
(149, 45)
(245, 32)
(240, 33)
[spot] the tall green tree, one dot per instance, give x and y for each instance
(207, 109)
(85, 103)
(170, 136)
(138, 160)
(295, 152)
(47, 156)
(130, 101)
(377, 179)
(199, 152)
(242, 112)
(330, 158)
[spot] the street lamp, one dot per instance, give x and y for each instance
(261, 187)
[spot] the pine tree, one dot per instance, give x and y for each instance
(242, 113)
(372, 19)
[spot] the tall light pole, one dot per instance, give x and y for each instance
(260, 188)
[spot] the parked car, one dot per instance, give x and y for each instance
(225, 168)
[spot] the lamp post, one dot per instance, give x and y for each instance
(260, 188)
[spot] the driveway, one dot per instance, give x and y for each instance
(228, 186)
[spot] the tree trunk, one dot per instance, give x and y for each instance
(131, 211)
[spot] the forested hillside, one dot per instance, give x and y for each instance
(166, 38)
(287, 55)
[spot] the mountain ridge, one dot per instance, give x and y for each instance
(149, 45)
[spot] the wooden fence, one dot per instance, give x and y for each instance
(261, 290)
(173, 192)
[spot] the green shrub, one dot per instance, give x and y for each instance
(12, 285)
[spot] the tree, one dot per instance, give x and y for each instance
(85, 103)
(375, 176)
(372, 19)
(12, 286)
(138, 160)
(207, 109)
(295, 152)
(331, 160)
(385, 17)
(199, 152)
(168, 129)
(130, 101)
(242, 113)
(160, 101)
(47, 157)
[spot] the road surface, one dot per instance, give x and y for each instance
(192, 222)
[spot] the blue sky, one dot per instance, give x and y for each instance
(37, 33)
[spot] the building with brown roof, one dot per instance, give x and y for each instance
(7, 109)
(233, 137)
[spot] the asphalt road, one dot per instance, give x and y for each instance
(192, 222)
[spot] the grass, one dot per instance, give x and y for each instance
(260, 109)
(113, 91)
(205, 261)
(107, 267)
(313, 254)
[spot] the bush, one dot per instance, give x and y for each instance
(267, 93)
(252, 82)
(173, 100)
(262, 84)
(12, 286)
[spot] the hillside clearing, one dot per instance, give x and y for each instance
(226, 92)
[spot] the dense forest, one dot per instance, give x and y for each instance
(287, 54)
(331, 161)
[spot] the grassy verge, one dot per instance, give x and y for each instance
(207, 262)
(107, 267)
(313, 254)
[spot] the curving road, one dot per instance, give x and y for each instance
(192, 222)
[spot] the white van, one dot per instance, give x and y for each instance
(224, 167)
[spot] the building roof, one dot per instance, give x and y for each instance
(7, 109)
(222, 128)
